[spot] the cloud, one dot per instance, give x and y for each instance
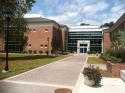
(117, 8)
(73, 12)
(94, 8)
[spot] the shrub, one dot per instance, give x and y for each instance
(114, 55)
(115, 59)
(40, 51)
(35, 52)
(93, 74)
(30, 51)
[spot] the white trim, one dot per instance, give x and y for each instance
(83, 42)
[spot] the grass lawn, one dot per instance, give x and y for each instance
(20, 63)
(95, 60)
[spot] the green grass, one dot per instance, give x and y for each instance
(20, 64)
(95, 60)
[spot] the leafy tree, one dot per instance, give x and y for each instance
(14, 10)
(110, 24)
(84, 24)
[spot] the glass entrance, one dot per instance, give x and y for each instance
(83, 46)
(83, 50)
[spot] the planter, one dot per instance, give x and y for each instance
(88, 82)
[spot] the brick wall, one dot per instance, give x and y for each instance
(44, 38)
(39, 38)
(115, 68)
(106, 41)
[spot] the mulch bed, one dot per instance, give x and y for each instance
(113, 69)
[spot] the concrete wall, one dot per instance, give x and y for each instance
(122, 75)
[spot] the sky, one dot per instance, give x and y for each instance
(74, 12)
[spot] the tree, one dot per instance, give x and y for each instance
(84, 24)
(12, 24)
(15, 10)
(110, 24)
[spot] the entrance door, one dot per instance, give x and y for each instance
(81, 50)
(85, 50)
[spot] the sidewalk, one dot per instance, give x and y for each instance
(109, 85)
(45, 79)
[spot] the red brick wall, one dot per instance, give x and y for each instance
(106, 41)
(115, 68)
(39, 38)
(44, 37)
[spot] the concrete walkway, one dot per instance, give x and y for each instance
(46, 79)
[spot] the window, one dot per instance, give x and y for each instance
(45, 46)
(46, 30)
(34, 29)
(29, 44)
(41, 46)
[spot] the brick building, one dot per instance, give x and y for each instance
(117, 32)
(115, 36)
(106, 40)
(64, 32)
(45, 36)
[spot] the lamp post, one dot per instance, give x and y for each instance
(48, 46)
(7, 28)
(7, 18)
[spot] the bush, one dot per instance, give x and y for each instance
(35, 51)
(40, 51)
(93, 74)
(30, 51)
(115, 59)
(114, 55)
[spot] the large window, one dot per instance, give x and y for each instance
(95, 38)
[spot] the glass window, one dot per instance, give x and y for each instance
(29, 44)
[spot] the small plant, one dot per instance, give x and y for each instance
(93, 74)
(30, 51)
(40, 51)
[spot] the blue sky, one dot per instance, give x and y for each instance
(74, 12)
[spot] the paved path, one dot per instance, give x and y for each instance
(46, 78)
